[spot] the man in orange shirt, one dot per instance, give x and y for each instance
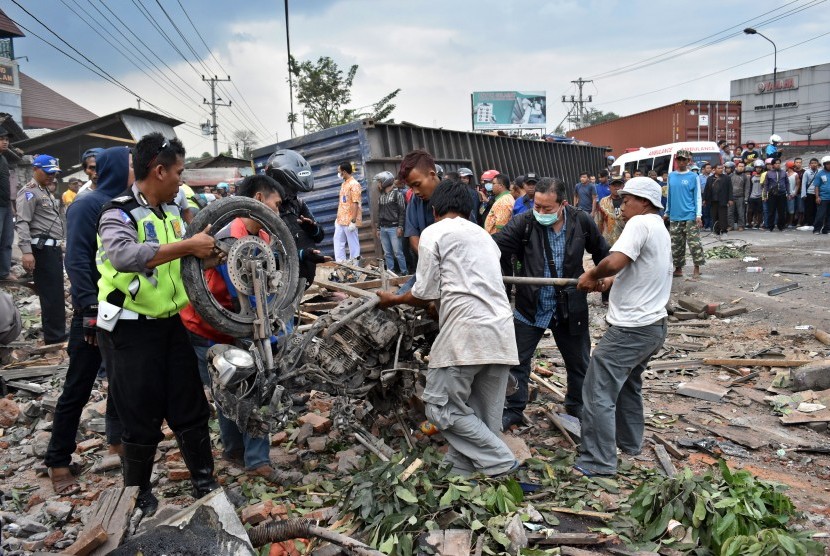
(349, 215)
(71, 192)
(502, 209)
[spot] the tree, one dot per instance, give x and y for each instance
(594, 116)
(246, 141)
(324, 92)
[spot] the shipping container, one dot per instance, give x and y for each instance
(687, 120)
(374, 147)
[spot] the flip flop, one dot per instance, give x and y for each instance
(64, 484)
(578, 470)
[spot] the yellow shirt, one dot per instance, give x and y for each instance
(500, 213)
(349, 193)
(68, 196)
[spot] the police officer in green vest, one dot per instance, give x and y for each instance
(152, 368)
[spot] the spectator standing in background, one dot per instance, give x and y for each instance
(349, 215)
(585, 195)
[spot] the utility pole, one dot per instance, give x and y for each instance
(290, 79)
(213, 104)
(138, 100)
(578, 102)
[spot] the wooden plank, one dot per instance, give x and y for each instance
(32, 372)
(88, 540)
(675, 364)
(571, 551)
(115, 506)
(368, 284)
(584, 513)
(665, 460)
(320, 306)
(800, 418)
(693, 332)
(345, 288)
(703, 390)
(670, 448)
(758, 362)
(448, 542)
(548, 386)
(738, 435)
(565, 538)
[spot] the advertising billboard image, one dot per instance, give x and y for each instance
(509, 110)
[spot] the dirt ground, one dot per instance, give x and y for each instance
(741, 427)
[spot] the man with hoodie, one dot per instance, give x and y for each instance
(116, 174)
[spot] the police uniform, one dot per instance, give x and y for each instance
(40, 232)
(152, 367)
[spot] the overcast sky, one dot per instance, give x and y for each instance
(437, 52)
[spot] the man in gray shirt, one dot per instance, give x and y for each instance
(458, 269)
(40, 238)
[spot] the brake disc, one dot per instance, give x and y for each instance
(241, 253)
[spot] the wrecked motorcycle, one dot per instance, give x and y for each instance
(366, 357)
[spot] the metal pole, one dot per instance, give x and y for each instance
(529, 280)
(290, 80)
(213, 117)
(774, 80)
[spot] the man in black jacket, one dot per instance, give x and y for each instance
(718, 196)
(550, 241)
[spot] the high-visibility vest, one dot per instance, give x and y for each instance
(162, 293)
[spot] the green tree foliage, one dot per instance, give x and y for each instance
(594, 116)
(324, 91)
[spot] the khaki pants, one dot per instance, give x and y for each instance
(465, 403)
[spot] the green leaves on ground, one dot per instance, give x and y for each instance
(719, 507)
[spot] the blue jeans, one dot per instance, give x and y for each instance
(6, 240)
(392, 249)
(254, 450)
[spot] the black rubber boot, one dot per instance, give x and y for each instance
(197, 454)
(137, 464)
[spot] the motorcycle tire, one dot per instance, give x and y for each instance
(219, 214)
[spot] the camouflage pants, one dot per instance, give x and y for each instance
(682, 232)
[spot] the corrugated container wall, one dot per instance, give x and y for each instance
(375, 147)
(687, 120)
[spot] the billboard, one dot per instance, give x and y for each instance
(509, 110)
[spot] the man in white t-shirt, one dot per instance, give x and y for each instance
(458, 269)
(640, 267)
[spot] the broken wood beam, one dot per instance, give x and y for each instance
(583, 513)
(665, 460)
(670, 448)
(823, 337)
(553, 539)
(572, 551)
(760, 362)
(555, 420)
(746, 378)
(392, 281)
(88, 540)
(548, 386)
(113, 512)
(344, 288)
(40, 350)
(32, 372)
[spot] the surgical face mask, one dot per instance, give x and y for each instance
(488, 186)
(546, 219)
(339, 176)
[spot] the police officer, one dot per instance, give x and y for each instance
(152, 368)
(40, 237)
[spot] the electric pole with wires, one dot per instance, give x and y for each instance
(578, 103)
(214, 102)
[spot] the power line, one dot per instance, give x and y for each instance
(187, 43)
(119, 47)
(699, 77)
(94, 68)
(666, 55)
(218, 63)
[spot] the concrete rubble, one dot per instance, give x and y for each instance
(767, 418)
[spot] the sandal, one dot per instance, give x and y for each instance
(63, 481)
(277, 476)
(578, 470)
(677, 273)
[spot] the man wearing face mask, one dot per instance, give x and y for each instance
(549, 242)
(502, 208)
(486, 196)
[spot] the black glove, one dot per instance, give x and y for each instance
(313, 256)
(309, 227)
(90, 324)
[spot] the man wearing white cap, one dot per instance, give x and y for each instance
(639, 266)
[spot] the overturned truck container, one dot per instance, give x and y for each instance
(374, 147)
